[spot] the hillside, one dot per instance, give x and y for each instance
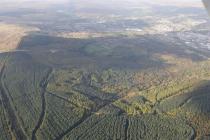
(140, 71)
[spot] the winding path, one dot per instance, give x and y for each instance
(43, 86)
(126, 128)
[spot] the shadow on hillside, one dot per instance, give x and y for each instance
(199, 101)
(108, 52)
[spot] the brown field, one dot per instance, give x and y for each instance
(11, 35)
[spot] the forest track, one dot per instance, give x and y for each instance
(88, 114)
(189, 96)
(15, 125)
(126, 128)
(43, 86)
(85, 117)
(63, 98)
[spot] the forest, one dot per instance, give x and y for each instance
(103, 88)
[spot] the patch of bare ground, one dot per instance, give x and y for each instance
(11, 35)
(87, 35)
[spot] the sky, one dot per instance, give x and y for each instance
(44, 3)
(64, 1)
